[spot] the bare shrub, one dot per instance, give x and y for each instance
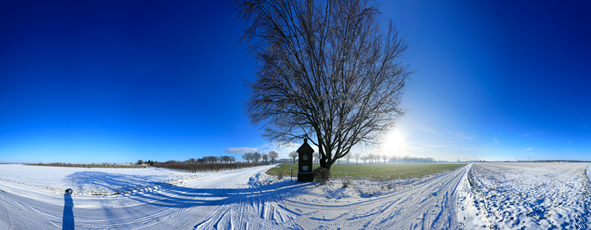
(321, 175)
(346, 183)
(279, 175)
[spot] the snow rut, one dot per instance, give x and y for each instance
(532, 195)
(430, 205)
(251, 205)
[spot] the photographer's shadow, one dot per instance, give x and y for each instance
(68, 217)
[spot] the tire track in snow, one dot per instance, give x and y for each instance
(249, 207)
(430, 204)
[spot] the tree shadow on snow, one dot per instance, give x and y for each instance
(174, 196)
(115, 182)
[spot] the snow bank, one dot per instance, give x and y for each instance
(92, 181)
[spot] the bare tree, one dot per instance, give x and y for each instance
(385, 158)
(326, 72)
(348, 157)
(293, 155)
(273, 155)
(371, 157)
(247, 157)
(364, 159)
(357, 155)
(316, 156)
(256, 157)
(265, 158)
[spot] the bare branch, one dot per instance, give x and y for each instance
(326, 71)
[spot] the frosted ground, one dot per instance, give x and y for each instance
(92, 181)
(526, 196)
(470, 197)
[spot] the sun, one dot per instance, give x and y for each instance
(393, 142)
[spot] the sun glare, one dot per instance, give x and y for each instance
(393, 142)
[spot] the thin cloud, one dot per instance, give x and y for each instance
(528, 149)
(427, 129)
(240, 150)
(424, 128)
(496, 140)
(460, 135)
(425, 145)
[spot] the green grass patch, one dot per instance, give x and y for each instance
(373, 171)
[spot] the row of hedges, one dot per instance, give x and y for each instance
(93, 165)
(205, 167)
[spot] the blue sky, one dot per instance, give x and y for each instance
(112, 81)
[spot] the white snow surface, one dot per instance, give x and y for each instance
(237, 199)
(92, 181)
(526, 196)
(478, 196)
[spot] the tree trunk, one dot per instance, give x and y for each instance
(323, 163)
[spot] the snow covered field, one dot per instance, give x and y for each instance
(91, 181)
(506, 196)
(526, 195)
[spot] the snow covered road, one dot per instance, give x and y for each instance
(428, 204)
(241, 199)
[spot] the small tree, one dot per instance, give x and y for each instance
(364, 159)
(316, 156)
(293, 156)
(273, 155)
(139, 162)
(256, 157)
(385, 158)
(357, 155)
(247, 157)
(348, 157)
(265, 157)
(212, 159)
(231, 159)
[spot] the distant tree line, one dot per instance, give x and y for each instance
(255, 157)
(93, 165)
(370, 158)
(207, 164)
(411, 160)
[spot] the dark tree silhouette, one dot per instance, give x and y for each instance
(265, 158)
(273, 155)
(326, 71)
(256, 157)
(293, 155)
(247, 157)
